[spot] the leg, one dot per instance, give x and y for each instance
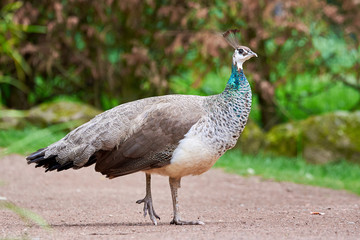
(148, 205)
(174, 185)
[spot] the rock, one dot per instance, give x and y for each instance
(331, 137)
(319, 139)
(12, 118)
(61, 112)
(252, 139)
(284, 139)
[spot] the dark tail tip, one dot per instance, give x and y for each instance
(39, 153)
(49, 163)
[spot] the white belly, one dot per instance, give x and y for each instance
(191, 157)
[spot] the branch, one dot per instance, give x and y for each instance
(349, 84)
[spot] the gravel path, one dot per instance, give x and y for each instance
(84, 205)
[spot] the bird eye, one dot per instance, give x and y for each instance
(240, 51)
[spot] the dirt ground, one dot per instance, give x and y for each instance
(83, 204)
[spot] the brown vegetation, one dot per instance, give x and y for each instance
(115, 51)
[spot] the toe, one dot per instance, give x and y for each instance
(148, 208)
(157, 216)
(153, 219)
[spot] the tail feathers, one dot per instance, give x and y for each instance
(91, 161)
(50, 163)
(38, 153)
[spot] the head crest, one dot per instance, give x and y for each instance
(230, 36)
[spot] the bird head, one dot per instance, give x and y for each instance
(241, 53)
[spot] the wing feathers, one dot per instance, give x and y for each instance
(152, 144)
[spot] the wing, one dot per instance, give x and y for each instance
(151, 145)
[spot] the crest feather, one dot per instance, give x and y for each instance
(230, 36)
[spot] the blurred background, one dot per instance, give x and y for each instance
(62, 62)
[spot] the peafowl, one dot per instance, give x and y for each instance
(172, 135)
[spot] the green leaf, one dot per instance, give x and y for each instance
(33, 28)
(14, 82)
(79, 41)
(11, 7)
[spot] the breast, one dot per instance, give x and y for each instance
(208, 139)
(192, 157)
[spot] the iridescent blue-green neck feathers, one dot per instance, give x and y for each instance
(237, 80)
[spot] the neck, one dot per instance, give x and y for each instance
(237, 80)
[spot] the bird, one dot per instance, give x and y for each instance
(170, 135)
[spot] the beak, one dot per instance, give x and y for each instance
(253, 54)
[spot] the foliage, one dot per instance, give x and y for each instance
(109, 52)
(283, 33)
(11, 36)
(336, 175)
(297, 99)
(108, 47)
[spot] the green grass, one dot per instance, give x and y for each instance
(30, 139)
(338, 175)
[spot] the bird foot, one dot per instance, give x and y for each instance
(148, 208)
(180, 222)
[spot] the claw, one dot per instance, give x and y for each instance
(147, 200)
(148, 208)
(174, 185)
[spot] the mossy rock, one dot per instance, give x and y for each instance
(319, 139)
(284, 139)
(12, 118)
(331, 137)
(252, 138)
(61, 112)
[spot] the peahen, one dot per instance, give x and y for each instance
(173, 135)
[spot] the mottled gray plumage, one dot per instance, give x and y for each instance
(173, 135)
(151, 143)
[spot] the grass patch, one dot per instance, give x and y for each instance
(338, 175)
(30, 139)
